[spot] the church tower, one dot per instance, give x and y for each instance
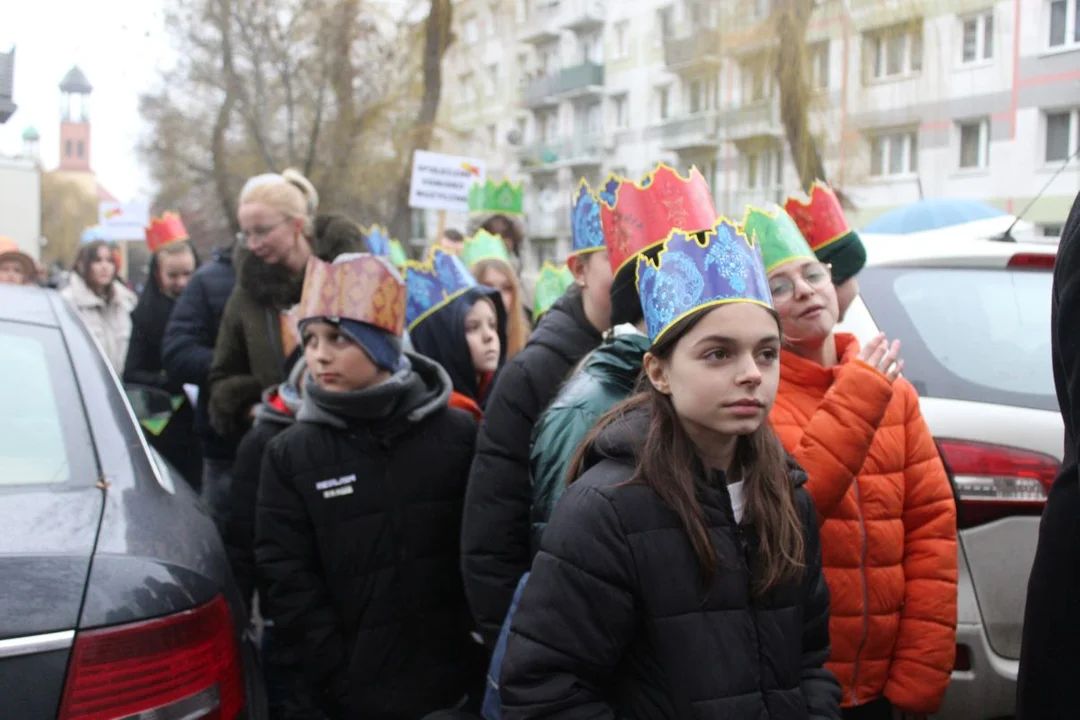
(75, 90)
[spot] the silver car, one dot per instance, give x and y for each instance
(973, 317)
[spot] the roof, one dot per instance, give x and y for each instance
(7, 80)
(75, 82)
(898, 250)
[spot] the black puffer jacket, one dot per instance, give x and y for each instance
(356, 532)
(612, 622)
(495, 533)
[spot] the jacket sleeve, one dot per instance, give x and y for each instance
(287, 556)
(495, 525)
(926, 643)
(819, 686)
(141, 367)
(233, 388)
(833, 445)
(1065, 341)
(238, 513)
(188, 346)
(557, 435)
(576, 617)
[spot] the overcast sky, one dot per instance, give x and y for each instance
(118, 44)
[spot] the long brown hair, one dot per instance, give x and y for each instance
(86, 257)
(517, 325)
(668, 462)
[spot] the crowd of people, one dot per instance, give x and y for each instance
(664, 486)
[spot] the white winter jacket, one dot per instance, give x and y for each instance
(109, 322)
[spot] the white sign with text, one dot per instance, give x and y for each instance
(442, 182)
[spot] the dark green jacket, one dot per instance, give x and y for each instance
(607, 377)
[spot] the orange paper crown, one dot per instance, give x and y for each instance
(637, 216)
(364, 288)
(165, 230)
(821, 220)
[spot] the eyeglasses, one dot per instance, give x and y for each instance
(816, 275)
(258, 231)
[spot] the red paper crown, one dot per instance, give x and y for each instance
(637, 216)
(821, 220)
(164, 230)
(366, 288)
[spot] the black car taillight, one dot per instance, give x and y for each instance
(996, 481)
(185, 665)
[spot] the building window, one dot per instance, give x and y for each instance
(895, 153)
(819, 65)
(663, 102)
(1061, 135)
(419, 224)
(977, 37)
(468, 90)
(493, 17)
(665, 21)
(523, 69)
(698, 97)
(1064, 23)
(543, 250)
(492, 80)
(894, 52)
(974, 144)
(592, 49)
(67, 148)
(759, 9)
(471, 31)
(763, 170)
(622, 39)
(79, 148)
(756, 80)
(621, 107)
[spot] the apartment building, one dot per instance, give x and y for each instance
(911, 98)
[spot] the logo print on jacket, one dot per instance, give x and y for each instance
(336, 487)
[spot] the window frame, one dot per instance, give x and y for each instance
(1073, 137)
(1072, 21)
(982, 55)
(982, 160)
(910, 150)
(876, 50)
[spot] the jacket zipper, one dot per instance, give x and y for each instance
(865, 596)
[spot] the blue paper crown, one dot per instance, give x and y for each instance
(378, 241)
(433, 283)
(688, 274)
(587, 232)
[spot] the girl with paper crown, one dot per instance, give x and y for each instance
(486, 258)
(680, 574)
(457, 323)
(359, 505)
(852, 421)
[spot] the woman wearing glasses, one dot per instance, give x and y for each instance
(888, 519)
(279, 232)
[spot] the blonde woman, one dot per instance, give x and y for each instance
(279, 233)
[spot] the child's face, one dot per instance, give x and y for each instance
(482, 334)
(337, 363)
(723, 373)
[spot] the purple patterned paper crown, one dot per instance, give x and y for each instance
(587, 232)
(433, 283)
(688, 274)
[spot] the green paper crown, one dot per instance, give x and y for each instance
(551, 283)
(502, 198)
(484, 246)
(397, 254)
(778, 236)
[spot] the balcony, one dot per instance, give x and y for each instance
(690, 133)
(572, 82)
(735, 201)
(539, 28)
(697, 51)
(755, 120)
(549, 216)
(583, 16)
(575, 151)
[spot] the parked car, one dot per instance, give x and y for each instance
(116, 597)
(973, 317)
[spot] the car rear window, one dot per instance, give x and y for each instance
(43, 432)
(980, 335)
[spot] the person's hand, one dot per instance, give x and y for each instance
(883, 356)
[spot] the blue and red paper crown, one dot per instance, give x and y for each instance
(587, 233)
(433, 284)
(688, 274)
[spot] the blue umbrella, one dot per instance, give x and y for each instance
(931, 214)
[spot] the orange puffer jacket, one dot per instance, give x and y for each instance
(888, 533)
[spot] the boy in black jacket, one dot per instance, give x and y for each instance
(359, 508)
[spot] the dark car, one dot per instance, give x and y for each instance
(116, 598)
